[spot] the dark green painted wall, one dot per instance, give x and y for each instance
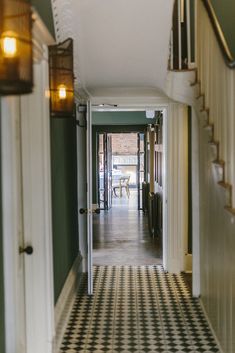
(64, 199)
(120, 118)
(44, 9)
(2, 329)
(225, 11)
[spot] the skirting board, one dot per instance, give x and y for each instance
(188, 263)
(65, 301)
(211, 327)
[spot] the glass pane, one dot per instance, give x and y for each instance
(101, 143)
(101, 170)
(142, 142)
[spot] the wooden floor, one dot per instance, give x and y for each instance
(121, 236)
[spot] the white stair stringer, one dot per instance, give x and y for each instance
(182, 86)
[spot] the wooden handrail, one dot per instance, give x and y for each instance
(229, 59)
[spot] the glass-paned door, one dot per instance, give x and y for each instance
(141, 167)
(108, 172)
(105, 171)
(101, 173)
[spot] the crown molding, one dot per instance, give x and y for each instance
(41, 37)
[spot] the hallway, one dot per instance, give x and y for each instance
(137, 309)
(136, 306)
(121, 235)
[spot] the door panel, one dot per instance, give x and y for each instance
(13, 226)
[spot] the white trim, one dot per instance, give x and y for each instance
(172, 51)
(196, 32)
(195, 204)
(35, 127)
(12, 223)
(179, 86)
(175, 244)
(89, 199)
(82, 185)
(179, 35)
(188, 263)
(188, 31)
(40, 30)
(211, 327)
(165, 189)
(66, 300)
(129, 107)
(41, 36)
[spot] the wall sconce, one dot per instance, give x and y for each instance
(16, 57)
(61, 79)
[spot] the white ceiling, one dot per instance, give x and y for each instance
(120, 45)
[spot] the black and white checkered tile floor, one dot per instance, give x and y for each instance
(137, 309)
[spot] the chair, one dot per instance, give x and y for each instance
(123, 183)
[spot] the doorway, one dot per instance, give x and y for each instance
(121, 233)
(121, 168)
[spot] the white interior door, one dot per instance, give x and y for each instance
(89, 199)
(14, 274)
(27, 235)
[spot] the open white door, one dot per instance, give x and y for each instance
(13, 239)
(27, 231)
(89, 199)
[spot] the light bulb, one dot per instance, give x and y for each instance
(62, 91)
(9, 47)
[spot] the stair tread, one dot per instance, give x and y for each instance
(208, 126)
(230, 209)
(216, 143)
(225, 185)
(220, 162)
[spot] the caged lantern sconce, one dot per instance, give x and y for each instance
(61, 79)
(16, 58)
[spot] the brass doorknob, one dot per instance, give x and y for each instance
(28, 250)
(85, 210)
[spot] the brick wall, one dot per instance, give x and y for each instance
(124, 144)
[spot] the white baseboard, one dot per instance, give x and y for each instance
(188, 263)
(211, 327)
(66, 300)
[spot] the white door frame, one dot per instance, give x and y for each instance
(89, 199)
(166, 112)
(32, 111)
(165, 190)
(175, 206)
(174, 247)
(12, 224)
(195, 205)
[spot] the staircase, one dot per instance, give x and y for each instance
(208, 85)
